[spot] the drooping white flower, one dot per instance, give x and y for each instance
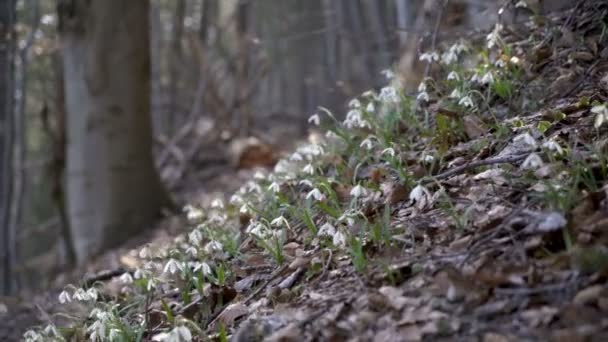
(309, 169)
(427, 158)
(552, 145)
(423, 97)
(389, 95)
(601, 115)
(487, 78)
(367, 143)
(370, 107)
(354, 103)
(201, 266)
(314, 119)
(177, 334)
(296, 157)
(466, 101)
(213, 246)
(526, 138)
(217, 203)
(274, 187)
(279, 222)
(172, 266)
(455, 94)
(192, 213)
(126, 278)
(429, 57)
(339, 239)
(532, 162)
(514, 60)
(306, 182)
(389, 151)
(453, 75)
(358, 191)
(388, 74)
(327, 229)
(419, 193)
(195, 237)
(64, 297)
(494, 37)
(316, 194)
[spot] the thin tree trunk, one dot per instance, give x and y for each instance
(175, 61)
(113, 188)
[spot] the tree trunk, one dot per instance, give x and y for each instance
(7, 243)
(113, 188)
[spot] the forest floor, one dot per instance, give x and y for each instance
(474, 210)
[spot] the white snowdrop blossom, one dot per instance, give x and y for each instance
(192, 213)
(419, 193)
(368, 143)
(327, 229)
(254, 187)
(309, 169)
(455, 94)
(201, 266)
(466, 101)
(427, 158)
(217, 204)
(601, 115)
(218, 218)
(358, 191)
(429, 57)
(213, 247)
(451, 55)
(172, 266)
(51, 330)
(423, 97)
(521, 4)
(526, 138)
(64, 297)
(354, 118)
(389, 95)
(151, 284)
(388, 74)
(192, 251)
(195, 237)
(311, 150)
(236, 200)
(274, 187)
(514, 60)
(339, 239)
(453, 76)
(314, 119)
(389, 151)
(475, 78)
(354, 103)
(370, 108)
(97, 331)
(177, 334)
(552, 145)
(500, 63)
(126, 278)
(315, 194)
(306, 182)
(296, 157)
(487, 78)
(85, 295)
(32, 336)
(494, 37)
(279, 222)
(532, 162)
(259, 176)
(244, 209)
(256, 228)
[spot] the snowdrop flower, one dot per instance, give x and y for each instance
(533, 161)
(452, 54)
(172, 266)
(32, 336)
(311, 150)
(259, 176)
(389, 151)
(217, 204)
(279, 222)
(521, 4)
(389, 95)
(358, 191)
(429, 57)
(177, 334)
(97, 331)
(514, 60)
(236, 199)
(475, 78)
(423, 97)
(195, 237)
(296, 157)
(274, 187)
(192, 251)
(126, 278)
(201, 266)
(466, 101)
(213, 247)
(51, 330)
(526, 138)
(218, 218)
(500, 63)
(419, 193)
(487, 78)
(314, 119)
(306, 182)
(427, 158)
(455, 94)
(64, 297)
(453, 75)
(370, 107)
(244, 209)
(388, 74)
(316, 194)
(193, 214)
(367, 143)
(552, 145)
(254, 187)
(309, 169)
(347, 217)
(327, 230)
(339, 239)
(601, 112)
(494, 37)
(353, 118)
(354, 103)
(256, 228)
(151, 285)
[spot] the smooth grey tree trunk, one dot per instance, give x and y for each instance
(113, 188)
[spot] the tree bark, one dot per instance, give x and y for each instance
(7, 52)
(113, 188)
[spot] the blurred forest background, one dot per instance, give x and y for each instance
(222, 72)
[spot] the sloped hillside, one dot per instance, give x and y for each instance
(474, 209)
